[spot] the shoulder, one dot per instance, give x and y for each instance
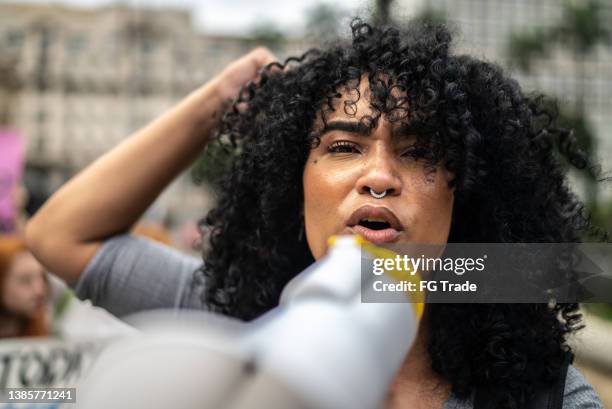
(578, 392)
(130, 274)
(130, 252)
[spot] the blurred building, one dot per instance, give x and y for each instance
(85, 78)
(485, 28)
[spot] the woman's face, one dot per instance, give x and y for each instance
(341, 172)
(25, 288)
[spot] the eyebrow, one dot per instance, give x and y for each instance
(354, 127)
(358, 128)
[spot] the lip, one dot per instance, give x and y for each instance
(378, 212)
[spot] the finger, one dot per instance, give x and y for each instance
(263, 56)
(258, 59)
(264, 60)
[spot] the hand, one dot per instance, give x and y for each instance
(228, 83)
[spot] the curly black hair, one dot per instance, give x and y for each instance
(505, 148)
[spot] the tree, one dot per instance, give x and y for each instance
(431, 16)
(266, 33)
(580, 30)
(381, 11)
(323, 22)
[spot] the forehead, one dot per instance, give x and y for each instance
(24, 263)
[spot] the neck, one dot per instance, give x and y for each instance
(416, 381)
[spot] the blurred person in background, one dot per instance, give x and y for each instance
(23, 291)
(36, 303)
(424, 145)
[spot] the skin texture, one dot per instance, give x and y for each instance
(340, 171)
(25, 288)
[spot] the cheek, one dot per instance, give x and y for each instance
(13, 297)
(434, 207)
(315, 212)
(324, 192)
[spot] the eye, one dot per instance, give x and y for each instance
(343, 147)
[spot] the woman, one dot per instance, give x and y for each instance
(35, 303)
(388, 135)
(23, 291)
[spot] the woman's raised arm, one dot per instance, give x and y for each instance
(111, 194)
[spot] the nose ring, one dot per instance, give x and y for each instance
(378, 195)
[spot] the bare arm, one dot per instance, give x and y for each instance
(110, 195)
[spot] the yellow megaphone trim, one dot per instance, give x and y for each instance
(416, 297)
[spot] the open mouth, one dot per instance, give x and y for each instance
(376, 224)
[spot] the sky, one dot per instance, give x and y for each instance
(233, 16)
